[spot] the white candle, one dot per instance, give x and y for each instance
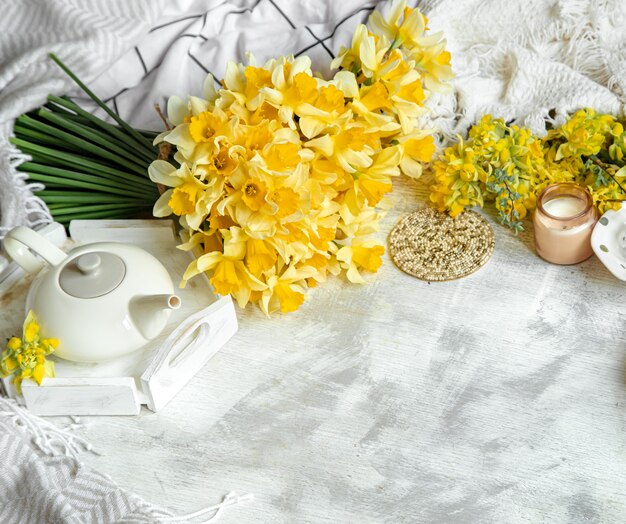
(564, 206)
(563, 222)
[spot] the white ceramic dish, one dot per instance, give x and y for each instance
(608, 241)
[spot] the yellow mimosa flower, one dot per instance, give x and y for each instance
(31, 330)
(26, 357)
(14, 343)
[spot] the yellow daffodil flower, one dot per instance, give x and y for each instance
(364, 255)
(285, 292)
(189, 195)
(403, 25)
(230, 276)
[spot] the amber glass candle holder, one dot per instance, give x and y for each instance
(563, 221)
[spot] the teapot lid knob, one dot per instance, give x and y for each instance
(92, 275)
(89, 263)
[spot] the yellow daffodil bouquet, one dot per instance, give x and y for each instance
(279, 176)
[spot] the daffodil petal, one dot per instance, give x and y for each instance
(161, 206)
(162, 172)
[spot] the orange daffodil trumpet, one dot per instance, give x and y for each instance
(282, 175)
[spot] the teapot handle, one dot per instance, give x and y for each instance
(20, 240)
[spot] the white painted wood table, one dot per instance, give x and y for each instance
(498, 398)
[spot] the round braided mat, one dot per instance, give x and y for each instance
(433, 246)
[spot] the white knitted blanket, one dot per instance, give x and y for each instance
(533, 61)
(530, 61)
(42, 479)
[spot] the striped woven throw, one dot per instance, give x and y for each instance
(42, 479)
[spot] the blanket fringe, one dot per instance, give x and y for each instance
(36, 211)
(45, 436)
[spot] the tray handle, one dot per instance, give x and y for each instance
(186, 350)
(185, 346)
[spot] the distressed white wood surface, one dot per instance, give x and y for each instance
(497, 398)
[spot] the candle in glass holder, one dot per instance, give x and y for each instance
(563, 221)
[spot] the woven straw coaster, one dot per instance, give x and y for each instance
(435, 247)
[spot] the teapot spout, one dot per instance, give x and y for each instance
(149, 313)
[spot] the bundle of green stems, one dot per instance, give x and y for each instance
(91, 169)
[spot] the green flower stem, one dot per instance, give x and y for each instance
(61, 110)
(99, 207)
(150, 135)
(88, 147)
(602, 165)
(80, 162)
(84, 124)
(70, 182)
(27, 133)
(112, 213)
(150, 153)
(111, 151)
(63, 172)
(58, 197)
(138, 136)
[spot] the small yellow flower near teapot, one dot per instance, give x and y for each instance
(26, 357)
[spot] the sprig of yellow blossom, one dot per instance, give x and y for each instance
(26, 357)
(510, 166)
(281, 174)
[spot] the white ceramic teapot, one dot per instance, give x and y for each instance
(101, 300)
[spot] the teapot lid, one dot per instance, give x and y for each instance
(92, 275)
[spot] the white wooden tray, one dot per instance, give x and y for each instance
(156, 373)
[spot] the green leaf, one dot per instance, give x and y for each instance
(29, 135)
(149, 153)
(97, 207)
(113, 151)
(52, 196)
(81, 163)
(78, 183)
(138, 136)
(79, 144)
